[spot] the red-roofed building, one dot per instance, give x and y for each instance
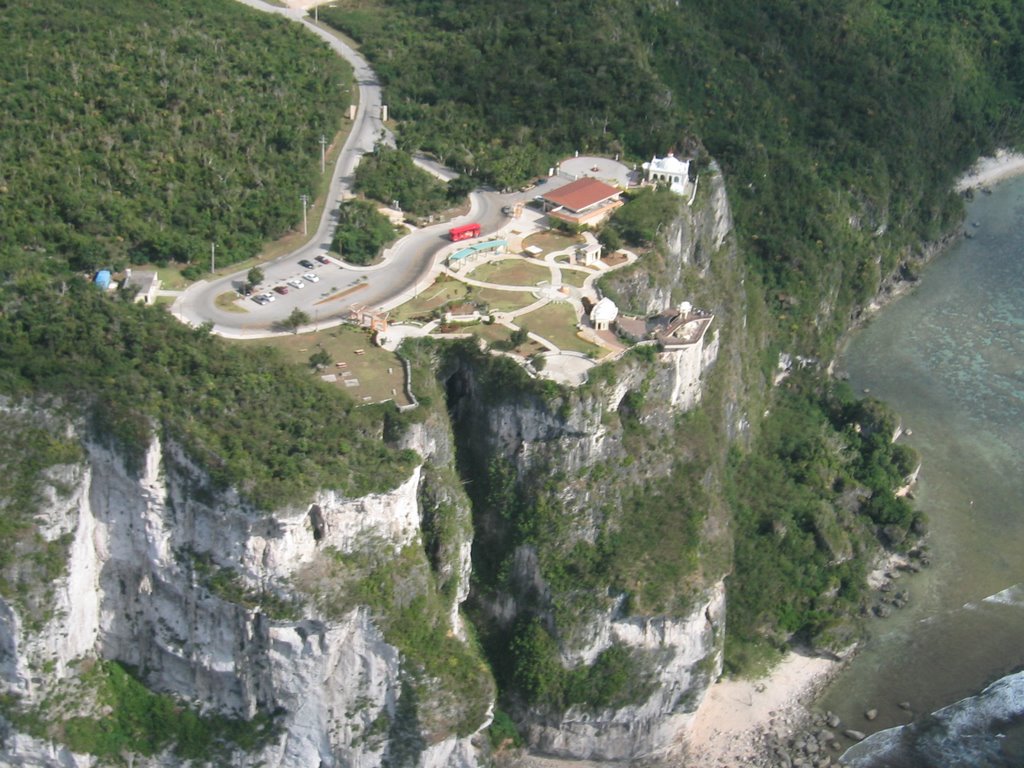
(583, 202)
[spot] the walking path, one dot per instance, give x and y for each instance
(418, 259)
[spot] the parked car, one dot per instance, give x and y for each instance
(323, 259)
(260, 299)
(311, 277)
(268, 297)
(282, 289)
(296, 283)
(307, 264)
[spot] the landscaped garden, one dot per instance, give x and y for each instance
(556, 322)
(501, 301)
(574, 277)
(442, 291)
(550, 242)
(512, 271)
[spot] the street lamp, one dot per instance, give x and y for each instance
(213, 257)
(323, 152)
(305, 202)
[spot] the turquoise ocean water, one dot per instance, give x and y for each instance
(949, 358)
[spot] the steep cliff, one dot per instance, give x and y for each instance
(208, 599)
(601, 535)
(328, 631)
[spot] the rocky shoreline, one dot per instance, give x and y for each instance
(800, 736)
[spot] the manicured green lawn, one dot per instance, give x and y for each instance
(556, 322)
(441, 292)
(502, 301)
(490, 333)
(573, 277)
(512, 272)
(551, 241)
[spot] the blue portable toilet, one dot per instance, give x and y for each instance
(103, 279)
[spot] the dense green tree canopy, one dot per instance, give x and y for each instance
(362, 232)
(142, 131)
(138, 131)
(839, 124)
(390, 176)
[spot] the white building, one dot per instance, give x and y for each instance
(670, 170)
(603, 314)
(588, 254)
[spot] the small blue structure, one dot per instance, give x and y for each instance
(103, 279)
(487, 245)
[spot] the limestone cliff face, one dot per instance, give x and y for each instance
(217, 602)
(699, 236)
(683, 651)
(689, 654)
(597, 451)
(136, 591)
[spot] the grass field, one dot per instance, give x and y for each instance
(512, 272)
(490, 333)
(573, 277)
(501, 301)
(229, 302)
(436, 295)
(550, 242)
(379, 372)
(556, 322)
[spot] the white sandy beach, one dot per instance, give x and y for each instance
(991, 170)
(735, 713)
(729, 725)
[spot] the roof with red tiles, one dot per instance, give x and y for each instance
(582, 194)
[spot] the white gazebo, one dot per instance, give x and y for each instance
(670, 170)
(588, 254)
(603, 314)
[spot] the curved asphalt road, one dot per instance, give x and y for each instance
(406, 263)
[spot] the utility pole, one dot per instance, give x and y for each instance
(213, 257)
(323, 151)
(305, 202)
(316, 14)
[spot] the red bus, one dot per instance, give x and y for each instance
(464, 232)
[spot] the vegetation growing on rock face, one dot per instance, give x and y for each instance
(252, 421)
(811, 502)
(108, 712)
(35, 444)
(448, 674)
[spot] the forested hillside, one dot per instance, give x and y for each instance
(141, 132)
(840, 125)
